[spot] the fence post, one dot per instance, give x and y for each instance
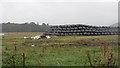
(23, 59)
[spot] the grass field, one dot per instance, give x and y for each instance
(59, 50)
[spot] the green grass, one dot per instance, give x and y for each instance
(57, 51)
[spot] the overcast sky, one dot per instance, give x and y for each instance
(63, 12)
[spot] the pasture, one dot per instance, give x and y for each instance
(59, 50)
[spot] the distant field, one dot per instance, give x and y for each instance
(59, 50)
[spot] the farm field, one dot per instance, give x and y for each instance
(59, 50)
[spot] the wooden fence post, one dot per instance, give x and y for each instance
(23, 59)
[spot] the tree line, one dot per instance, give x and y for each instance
(25, 27)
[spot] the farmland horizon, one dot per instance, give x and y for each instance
(40, 23)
